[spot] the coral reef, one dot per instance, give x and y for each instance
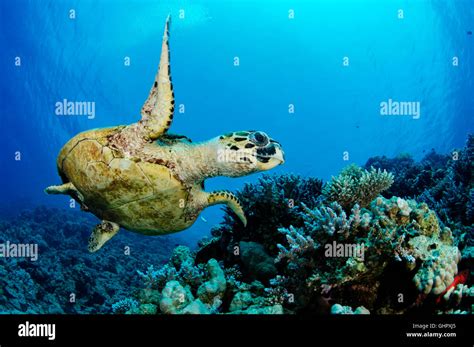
(178, 300)
(340, 249)
(444, 182)
(256, 262)
(125, 305)
(399, 239)
(410, 178)
(453, 298)
(212, 291)
(389, 230)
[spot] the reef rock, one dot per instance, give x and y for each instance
(339, 309)
(215, 287)
(175, 298)
(257, 263)
(439, 264)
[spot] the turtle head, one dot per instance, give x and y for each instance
(243, 152)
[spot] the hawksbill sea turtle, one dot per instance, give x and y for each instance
(144, 179)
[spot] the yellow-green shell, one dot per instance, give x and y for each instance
(138, 195)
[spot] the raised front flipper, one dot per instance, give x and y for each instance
(228, 198)
(157, 111)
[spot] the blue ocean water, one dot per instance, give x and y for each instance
(333, 61)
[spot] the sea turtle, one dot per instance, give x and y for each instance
(144, 179)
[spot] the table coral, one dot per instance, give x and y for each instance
(355, 185)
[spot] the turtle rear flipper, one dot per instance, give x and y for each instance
(157, 111)
(102, 233)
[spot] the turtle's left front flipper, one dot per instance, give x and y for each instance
(157, 111)
(228, 198)
(66, 189)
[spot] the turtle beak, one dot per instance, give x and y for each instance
(269, 161)
(279, 155)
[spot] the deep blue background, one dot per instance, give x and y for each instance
(282, 61)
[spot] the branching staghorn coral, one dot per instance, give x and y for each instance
(297, 241)
(355, 185)
(323, 222)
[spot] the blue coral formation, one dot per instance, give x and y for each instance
(386, 239)
(444, 182)
(271, 203)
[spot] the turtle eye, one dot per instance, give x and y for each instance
(259, 138)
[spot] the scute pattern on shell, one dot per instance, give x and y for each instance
(139, 194)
